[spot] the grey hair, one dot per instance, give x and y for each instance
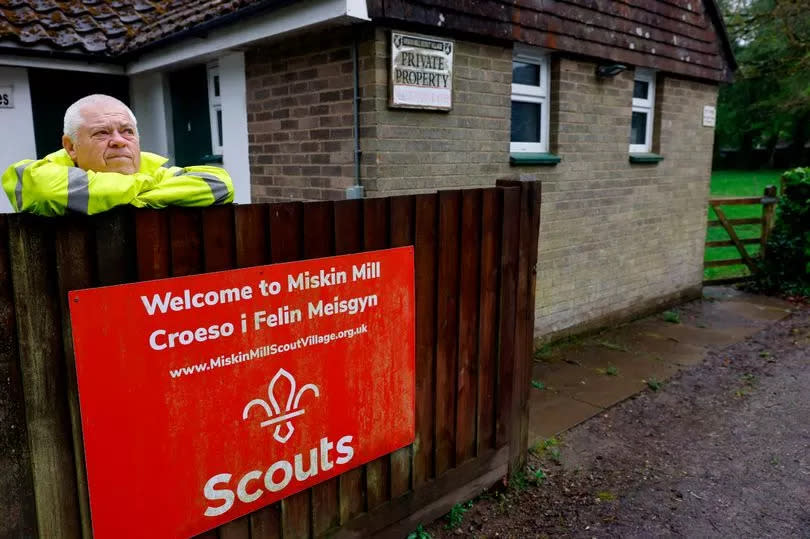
(73, 114)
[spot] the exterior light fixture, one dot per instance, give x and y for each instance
(609, 70)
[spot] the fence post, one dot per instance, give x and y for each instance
(769, 201)
(529, 218)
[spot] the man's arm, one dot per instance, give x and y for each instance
(47, 188)
(190, 186)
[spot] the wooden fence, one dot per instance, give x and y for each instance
(768, 202)
(475, 254)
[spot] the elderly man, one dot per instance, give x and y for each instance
(102, 166)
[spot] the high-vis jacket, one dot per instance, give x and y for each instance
(53, 185)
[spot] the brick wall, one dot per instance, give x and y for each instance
(616, 238)
(300, 117)
(412, 151)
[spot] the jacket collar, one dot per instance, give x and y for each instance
(150, 162)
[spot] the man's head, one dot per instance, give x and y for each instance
(101, 134)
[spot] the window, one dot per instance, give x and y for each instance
(215, 108)
(530, 101)
(641, 122)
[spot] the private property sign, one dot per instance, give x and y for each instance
(421, 72)
(204, 398)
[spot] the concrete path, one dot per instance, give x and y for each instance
(581, 378)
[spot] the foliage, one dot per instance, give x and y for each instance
(673, 317)
(537, 384)
(654, 384)
(769, 100)
(785, 266)
(419, 533)
(456, 515)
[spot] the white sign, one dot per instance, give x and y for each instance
(6, 97)
(709, 116)
(421, 72)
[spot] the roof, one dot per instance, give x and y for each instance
(684, 37)
(108, 28)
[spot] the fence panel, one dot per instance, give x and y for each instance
(474, 268)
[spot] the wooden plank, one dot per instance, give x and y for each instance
(185, 226)
(729, 243)
(510, 200)
(488, 320)
(286, 244)
(721, 263)
(748, 221)
(468, 305)
(736, 201)
(152, 244)
(447, 328)
(321, 223)
(115, 246)
(431, 501)
(533, 192)
(219, 254)
(375, 236)
(401, 233)
(252, 224)
(75, 253)
(218, 238)
(16, 483)
(285, 231)
(721, 216)
(425, 241)
(44, 377)
(348, 238)
(252, 231)
(266, 523)
(768, 220)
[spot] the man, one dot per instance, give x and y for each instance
(101, 166)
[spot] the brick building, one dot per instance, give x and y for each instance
(610, 104)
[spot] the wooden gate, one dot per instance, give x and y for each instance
(768, 203)
(475, 258)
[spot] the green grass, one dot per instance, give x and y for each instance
(736, 183)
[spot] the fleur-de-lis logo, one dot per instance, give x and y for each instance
(275, 416)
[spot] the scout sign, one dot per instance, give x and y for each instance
(207, 397)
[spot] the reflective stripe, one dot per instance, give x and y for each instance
(218, 188)
(78, 190)
(18, 188)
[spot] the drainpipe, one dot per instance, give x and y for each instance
(356, 191)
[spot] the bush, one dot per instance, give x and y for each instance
(785, 267)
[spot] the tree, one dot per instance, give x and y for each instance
(770, 98)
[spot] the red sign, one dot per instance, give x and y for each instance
(204, 398)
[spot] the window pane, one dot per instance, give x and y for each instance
(641, 89)
(219, 127)
(638, 128)
(523, 73)
(216, 85)
(526, 122)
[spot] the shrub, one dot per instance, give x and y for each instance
(785, 267)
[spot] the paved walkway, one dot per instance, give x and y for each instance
(582, 378)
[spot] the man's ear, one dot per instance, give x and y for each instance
(69, 147)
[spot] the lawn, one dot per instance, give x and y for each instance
(736, 183)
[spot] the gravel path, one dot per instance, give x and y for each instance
(720, 450)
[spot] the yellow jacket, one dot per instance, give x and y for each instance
(52, 185)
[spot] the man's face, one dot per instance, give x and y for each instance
(106, 141)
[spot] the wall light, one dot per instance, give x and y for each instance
(609, 70)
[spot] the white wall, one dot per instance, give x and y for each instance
(17, 124)
(234, 123)
(149, 94)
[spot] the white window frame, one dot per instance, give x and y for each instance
(647, 106)
(525, 93)
(214, 106)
